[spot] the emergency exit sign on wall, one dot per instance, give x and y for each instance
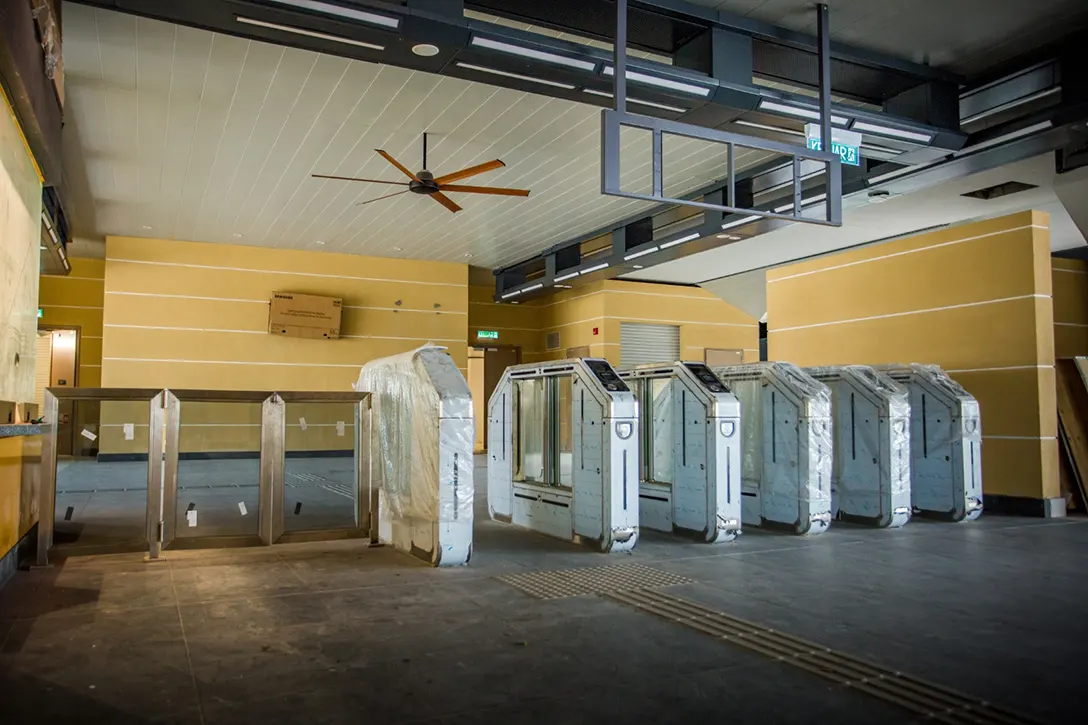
(487, 334)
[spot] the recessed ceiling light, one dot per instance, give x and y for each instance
(331, 9)
(396, 249)
(732, 237)
(519, 76)
(532, 53)
(637, 266)
(145, 227)
(307, 33)
(425, 49)
(319, 242)
(468, 256)
(236, 235)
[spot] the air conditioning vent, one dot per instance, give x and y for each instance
(552, 341)
(998, 190)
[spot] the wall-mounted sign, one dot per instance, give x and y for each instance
(487, 334)
(846, 144)
(39, 313)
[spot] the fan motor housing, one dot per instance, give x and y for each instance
(425, 185)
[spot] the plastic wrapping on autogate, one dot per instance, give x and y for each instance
(747, 382)
(406, 436)
(897, 401)
(938, 378)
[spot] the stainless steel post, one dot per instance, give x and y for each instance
(47, 493)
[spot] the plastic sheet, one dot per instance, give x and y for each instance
(791, 483)
(947, 467)
(885, 442)
(422, 435)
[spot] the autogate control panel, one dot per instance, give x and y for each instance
(709, 380)
(604, 372)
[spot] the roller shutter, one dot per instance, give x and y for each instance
(641, 344)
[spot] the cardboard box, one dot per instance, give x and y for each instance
(307, 316)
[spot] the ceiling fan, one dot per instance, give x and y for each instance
(424, 182)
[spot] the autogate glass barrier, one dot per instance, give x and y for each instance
(786, 442)
(101, 498)
(563, 452)
(691, 454)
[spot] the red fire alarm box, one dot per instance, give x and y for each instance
(594, 331)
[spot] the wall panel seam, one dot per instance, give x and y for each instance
(909, 251)
(911, 312)
(285, 272)
(1001, 369)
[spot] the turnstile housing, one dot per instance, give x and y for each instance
(945, 443)
(599, 507)
(870, 480)
(423, 434)
(698, 419)
(786, 446)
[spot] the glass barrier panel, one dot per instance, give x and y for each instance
(101, 488)
(219, 469)
(530, 415)
(566, 430)
(320, 491)
(660, 435)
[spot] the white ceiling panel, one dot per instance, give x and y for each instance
(179, 133)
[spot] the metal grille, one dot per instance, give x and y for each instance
(928, 699)
(642, 344)
(592, 580)
(552, 341)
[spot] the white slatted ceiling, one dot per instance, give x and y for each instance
(179, 133)
(642, 344)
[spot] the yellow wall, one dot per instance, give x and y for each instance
(974, 299)
(704, 319)
(517, 325)
(20, 459)
(1070, 281)
(189, 315)
(76, 301)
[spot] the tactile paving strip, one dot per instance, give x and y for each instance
(592, 580)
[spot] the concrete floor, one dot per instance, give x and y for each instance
(334, 632)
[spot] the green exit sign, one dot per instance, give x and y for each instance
(487, 334)
(848, 154)
(39, 313)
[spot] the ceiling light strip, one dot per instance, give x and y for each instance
(565, 277)
(508, 295)
(534, 288)
(308, 33)
(643, 253)
(901, 133)
(596, 268)
(811, 114)
(519, 76)
(1012, 104)
(524, 52)
(342, 12)
(681, 240)
(741, 222)
(637, 101)
(692, 88)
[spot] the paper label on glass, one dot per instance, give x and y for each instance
(130, 431)
(242, 507)
(88, 435)
(191, 517)
(340, 428)
(302, 423)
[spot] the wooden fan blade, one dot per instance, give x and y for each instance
(352, 178)
(396, 163)
(370, 201)
(470, 171)
(445, 201)
(485, 190)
